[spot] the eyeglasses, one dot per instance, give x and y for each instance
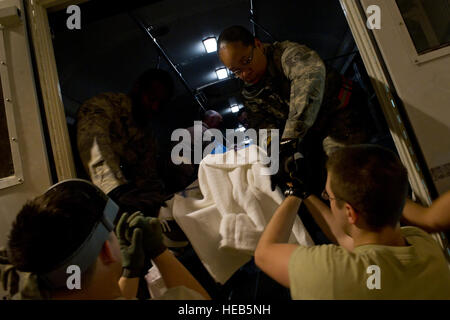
(326, 196)
(246, 62)
(250, 58)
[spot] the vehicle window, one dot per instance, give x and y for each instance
(428, 23)
(6, 162)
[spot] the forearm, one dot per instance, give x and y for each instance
(129, 287)
(280, 226)
(175, 274)
(300, 121)
(307, 73)
(440, 212)
(414, 213)
(322, 215)
(433, 219)
(273, 253)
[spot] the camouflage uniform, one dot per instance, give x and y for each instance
(303, 98)
(298, 94)
(290, 93)
(112, 147)
(17, 285)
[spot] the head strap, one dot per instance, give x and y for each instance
(88, 251)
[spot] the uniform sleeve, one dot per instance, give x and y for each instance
(306, 71)
(17, 285)
(95, 146)
(258, 117)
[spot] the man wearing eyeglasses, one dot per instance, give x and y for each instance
(373, 258)
(288, 87)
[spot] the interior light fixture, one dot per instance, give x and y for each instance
(234, 108)
(240, 129)
(222, 73)
(210, 44)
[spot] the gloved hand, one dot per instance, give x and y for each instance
(152, 234)
(297, 183)
(288, 148)
(131, 246)
(148, 199)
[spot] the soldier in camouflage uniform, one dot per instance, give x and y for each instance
(118, 147)
(288, 87)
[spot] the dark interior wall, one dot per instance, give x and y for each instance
(106, 55)
(110, 50)
(319, 24)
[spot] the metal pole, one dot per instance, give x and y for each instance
(252, 17)
(254, 23)
(262, 28)
(197, 96)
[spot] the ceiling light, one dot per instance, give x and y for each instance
(235, 108)
(210, 44)
(222, 73)
(240, 129)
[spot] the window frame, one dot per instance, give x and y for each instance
(409, 45)
(356, 18)
(9, 101)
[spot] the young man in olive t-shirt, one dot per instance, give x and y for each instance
(376, 258)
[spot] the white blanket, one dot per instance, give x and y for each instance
(225, 218)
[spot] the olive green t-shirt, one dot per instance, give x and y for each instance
(416, 271)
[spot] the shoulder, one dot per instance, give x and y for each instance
(106, 103)
(107, 97)
(289, 45)
(293, 49)
(410, 231)
(416, 235)
(315, 257)
(297, 59)
(314, 271)
(326, 249)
